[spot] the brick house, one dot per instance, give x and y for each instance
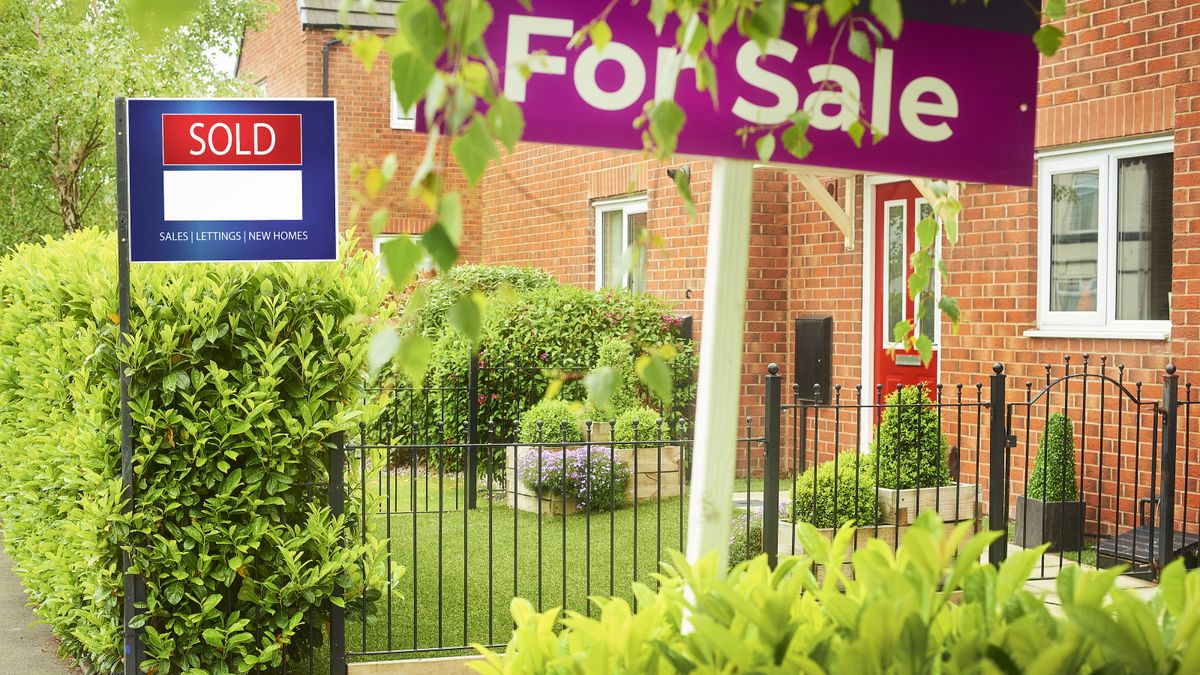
(1100, 256)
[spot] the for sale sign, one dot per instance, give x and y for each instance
(232, 180)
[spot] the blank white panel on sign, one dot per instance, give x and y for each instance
(233, 195)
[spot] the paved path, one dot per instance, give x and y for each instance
(26, 647)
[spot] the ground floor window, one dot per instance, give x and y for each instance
(1104, 247)
(620, 243)
(426, 264)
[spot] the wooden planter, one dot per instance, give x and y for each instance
(953, 503)
(890, 534)
(650, 481)
(1059, 524)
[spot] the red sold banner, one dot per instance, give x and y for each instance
(231, 140)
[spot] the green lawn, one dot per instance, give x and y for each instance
(497, 550)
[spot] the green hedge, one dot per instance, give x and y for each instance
(438, 294)
(240, 374)
(844, 492)
(528, 338)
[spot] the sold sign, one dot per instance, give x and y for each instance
(232, 139)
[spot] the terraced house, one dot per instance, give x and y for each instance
(1101, 256)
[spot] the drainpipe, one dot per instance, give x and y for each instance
(325, 65)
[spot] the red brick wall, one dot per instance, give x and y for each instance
(290, 60)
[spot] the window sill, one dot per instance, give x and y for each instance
(1099, 333)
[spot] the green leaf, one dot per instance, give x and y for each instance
(925, 348)
(411, 76)
(683, 184)
(856, 131)
(401, 256)
(1048, 39)
(836, 9)
(600, 34)
(1055, 9)
(382, 349)
(474, 149)
(949, 307)
(379, 220)
(600, 384)
(653, 371)
(507, 121)
(414, 353)
(422, 25)
(860, 45)
(926, 232)
(152, 18)
(440, 247)
(765, 145)
(766, 22)
(366, 47)
(901, 331)
(795, 138)
(888, 13)
(666, 121)
(450, 216)
(389, 166)
(466, 316)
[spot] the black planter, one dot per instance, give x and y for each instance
(1059, 524)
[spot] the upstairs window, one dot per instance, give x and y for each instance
(1104, 240)
(620, 239)
(401, 118)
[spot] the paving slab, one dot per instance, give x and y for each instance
(26, 647)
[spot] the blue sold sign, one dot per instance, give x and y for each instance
(241, 180)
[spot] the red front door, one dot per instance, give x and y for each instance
(898, 208)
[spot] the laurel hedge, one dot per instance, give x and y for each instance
(240, 375)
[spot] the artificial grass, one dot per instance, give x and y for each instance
(497, 551)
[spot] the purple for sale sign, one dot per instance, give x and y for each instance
(954, 97)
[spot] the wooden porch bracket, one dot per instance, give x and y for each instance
(843, 218)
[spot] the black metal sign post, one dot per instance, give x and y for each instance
(134, 585)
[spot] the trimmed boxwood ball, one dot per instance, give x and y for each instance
(646, 429)
(559, 424)
(910, 429)
(845, 491)
(1053, 475)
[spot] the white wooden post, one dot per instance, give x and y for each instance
(719, 389)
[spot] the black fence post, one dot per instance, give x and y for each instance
(472, 450)
(998, 468)
(1166, 524)
(771, 419)
(337, 508)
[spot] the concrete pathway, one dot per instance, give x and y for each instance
(26, 647)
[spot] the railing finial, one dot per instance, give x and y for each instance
(1171, 368)
(773, 369)
(997, 368)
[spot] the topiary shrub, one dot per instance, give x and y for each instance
(1053, 477)
(617, 355)
(590, 476)
(911, 449)
(745, 535)
(239, 376)
(551, 421)
(641, 425)
(844, 490)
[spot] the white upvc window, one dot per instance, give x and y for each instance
(400, 118)
(930, 323)
(1104, 240)
(620, 242)
(426, 264)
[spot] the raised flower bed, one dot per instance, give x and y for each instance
(614, 480)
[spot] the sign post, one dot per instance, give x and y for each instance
(221, 180)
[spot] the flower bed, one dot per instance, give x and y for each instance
(618, 476)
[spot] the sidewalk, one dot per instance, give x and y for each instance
(25, 647)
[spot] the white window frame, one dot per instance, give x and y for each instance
(1101, 322)
(426, 264)
(628, 205)
(404, 120)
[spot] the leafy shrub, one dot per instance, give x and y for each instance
(909, 430)
(438, 294)
(640, 424)
(844, 491)
(590, 475)
(551, 421)
(240, 375)
(617, 356)
(930, 607)
(1053, 475)
(529, 339)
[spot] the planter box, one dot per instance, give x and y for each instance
(1059, 524)
(650, 481)
(953, 503)
(889, 534)
(601, 432)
